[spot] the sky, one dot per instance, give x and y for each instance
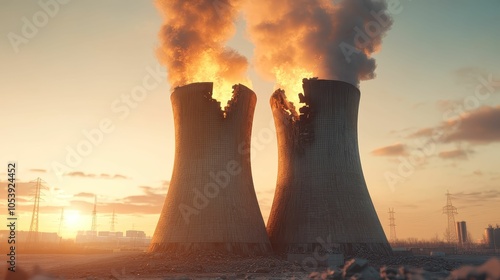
(428, 123)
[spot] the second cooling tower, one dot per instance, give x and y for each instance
(211, 202)
(321, 195)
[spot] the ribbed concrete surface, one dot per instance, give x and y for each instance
(321, 193)
(212, 180)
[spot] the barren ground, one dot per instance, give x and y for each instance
(136, 265)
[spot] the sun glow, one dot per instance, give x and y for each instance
(72, 218)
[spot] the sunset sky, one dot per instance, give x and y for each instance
(429, 122)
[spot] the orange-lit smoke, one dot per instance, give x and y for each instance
(193, 47)
(296, 39)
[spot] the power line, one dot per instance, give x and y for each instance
(113, 221)
(392, 225)
(94, 216)
(61, 221)
(33, 232)
(450, 211)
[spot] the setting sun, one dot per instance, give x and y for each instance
(72, 218)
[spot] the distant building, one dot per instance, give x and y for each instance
(462, 233)
(133, 238)
(497, 237)
(111, 233)
(135, 233)
(428, 251)
(22, 237)
(489, 235)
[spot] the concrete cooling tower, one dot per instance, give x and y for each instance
(211, 202)
(321, 195)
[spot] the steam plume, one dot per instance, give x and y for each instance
(328, 39)
(192, 44)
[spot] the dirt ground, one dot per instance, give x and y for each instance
(136, 265)
(157, 266)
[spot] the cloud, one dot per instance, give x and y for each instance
(265, 199)
(81, 205)
(79, 174)
(423, 132)
(165, 183)
(24, 189)
(84, 194)
(444, 105)
(477, 197)
(37, 170)
(481, 126)
(478, 127)
(91, 175)
(266, 192)
(149, 201)
(151, 196)
(397, 149)
(454, 154)
(478, 173)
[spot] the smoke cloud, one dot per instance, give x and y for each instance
(296, 39)
(193, 40)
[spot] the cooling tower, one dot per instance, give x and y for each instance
(211, 202)
(321, 195)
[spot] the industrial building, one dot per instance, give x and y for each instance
(497, 237)
(211, 202)
(22, 237)
(462, 233)
(132, 238)
(321, 195)
(492, 237)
